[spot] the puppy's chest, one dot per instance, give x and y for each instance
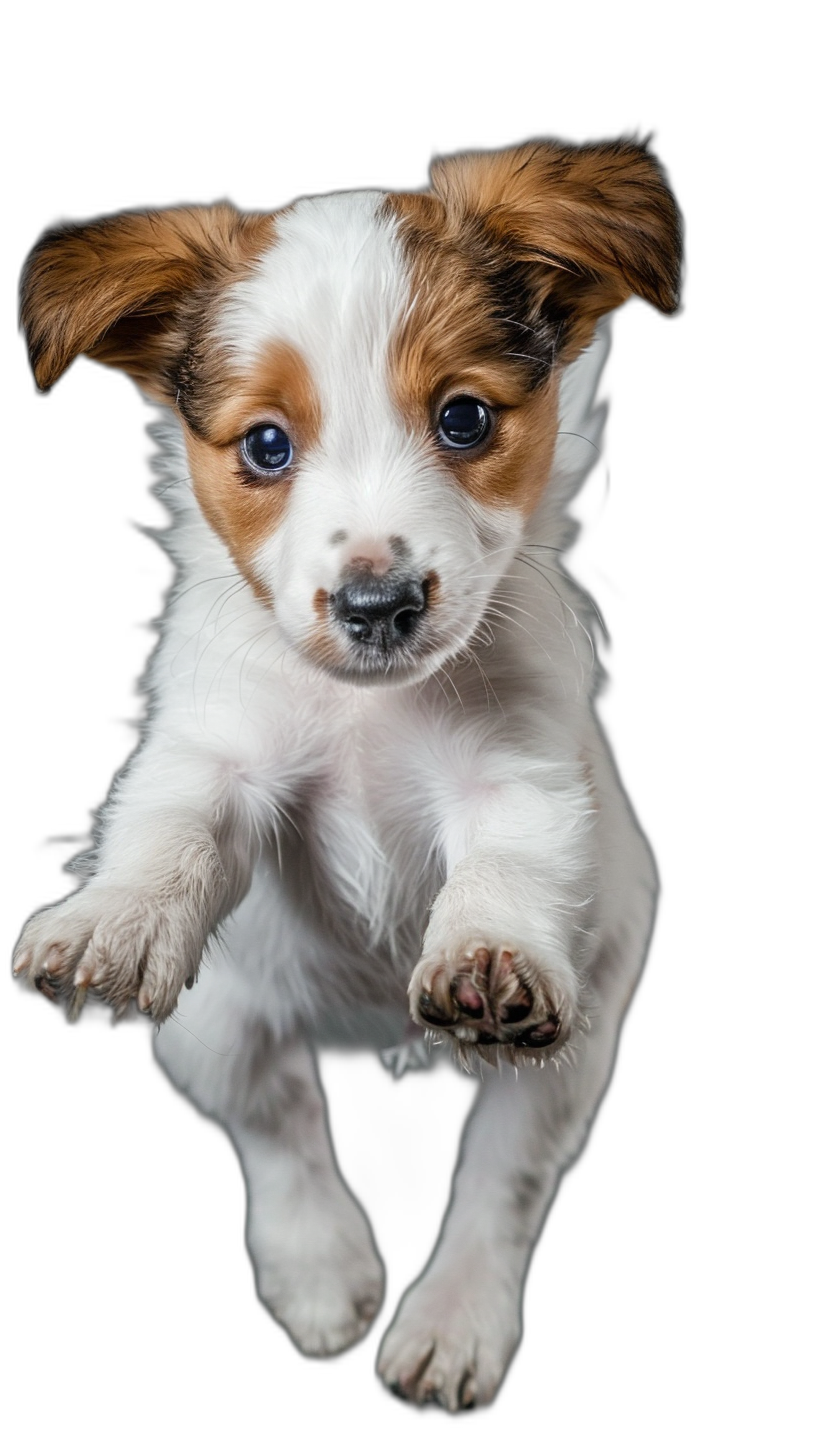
(366, 839)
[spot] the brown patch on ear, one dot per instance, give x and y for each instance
(570, 231)
(123, 289)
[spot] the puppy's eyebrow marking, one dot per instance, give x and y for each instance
(338, 537)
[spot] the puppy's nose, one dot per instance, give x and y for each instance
(380, 611)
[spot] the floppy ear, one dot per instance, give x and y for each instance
(120, 289)
(587, 226)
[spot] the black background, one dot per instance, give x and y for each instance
(128, 1279)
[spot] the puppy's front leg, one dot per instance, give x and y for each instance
(512, 928)
(174, 857)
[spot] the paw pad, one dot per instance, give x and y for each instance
(488, 997)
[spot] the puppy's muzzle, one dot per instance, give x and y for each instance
(379, 613)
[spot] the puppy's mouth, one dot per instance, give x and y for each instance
(377, 627)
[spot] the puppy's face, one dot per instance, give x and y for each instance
(368, 383)
(364, 438)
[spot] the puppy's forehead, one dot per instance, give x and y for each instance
(333, 285)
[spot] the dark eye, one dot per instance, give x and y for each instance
(464, 422)
(267, 448)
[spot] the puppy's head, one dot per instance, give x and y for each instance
(368, 382)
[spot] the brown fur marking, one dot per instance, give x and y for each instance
(587, 226)
(130, 290)
(140, 292)
(514, 257)
(453, 344)
(245, 510)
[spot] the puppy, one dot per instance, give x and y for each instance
(371, 790)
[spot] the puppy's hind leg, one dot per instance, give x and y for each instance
(316, 1265)
(458, 1326)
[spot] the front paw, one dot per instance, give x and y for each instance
(117, 943)
(491, 994)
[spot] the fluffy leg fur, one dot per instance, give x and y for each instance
(458, 1326)
(316, 1266)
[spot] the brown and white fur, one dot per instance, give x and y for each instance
(371, 762)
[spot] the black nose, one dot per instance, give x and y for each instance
(380, 611)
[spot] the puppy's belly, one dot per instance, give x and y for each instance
(305, 949)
